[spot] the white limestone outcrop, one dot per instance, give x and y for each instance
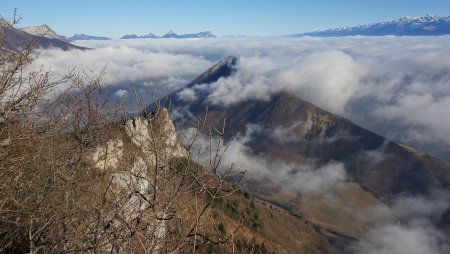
(154, 143)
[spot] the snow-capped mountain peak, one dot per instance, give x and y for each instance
(44, 31)
(408, 25)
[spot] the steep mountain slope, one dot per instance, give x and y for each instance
(15, 39)
(153, 199)
(424, 25)
(377, 169)
(324, 137)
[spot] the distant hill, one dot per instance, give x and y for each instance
(83, 37)
(171, 34)
(409, 26)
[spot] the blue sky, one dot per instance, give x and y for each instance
(115, 18)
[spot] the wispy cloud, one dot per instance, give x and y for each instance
(415, 230)
(291, 177)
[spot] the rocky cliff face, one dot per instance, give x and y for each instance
(154, 143)
(155, 137)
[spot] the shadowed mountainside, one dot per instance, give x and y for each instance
(320, 137)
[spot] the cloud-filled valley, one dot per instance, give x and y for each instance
(396, 86)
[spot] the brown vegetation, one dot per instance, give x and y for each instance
(75, 179)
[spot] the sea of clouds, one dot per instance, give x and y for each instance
(396, 86)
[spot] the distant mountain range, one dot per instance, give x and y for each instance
(171, 34)
(409, 26)
(47, 32)
(81, 37)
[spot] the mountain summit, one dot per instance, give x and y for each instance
(411, 26)
(170, 34)
(44, 31)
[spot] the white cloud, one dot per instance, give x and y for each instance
(327, 78)
(187, 95)
(422, 110)
(398, 239)
(293, 177)
(415, 230)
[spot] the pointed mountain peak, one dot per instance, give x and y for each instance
(224, 68)
(170, 34)
(149, 36)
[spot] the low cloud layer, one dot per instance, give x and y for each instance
(153, 74)
(396, 86)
